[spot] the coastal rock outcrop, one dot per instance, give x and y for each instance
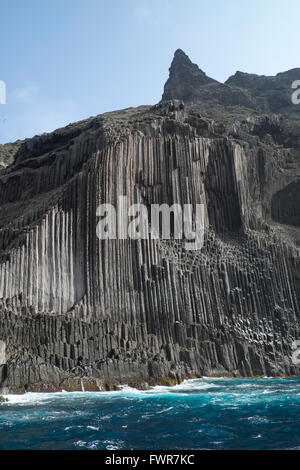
(77, 312)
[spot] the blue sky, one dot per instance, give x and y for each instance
(65, 60)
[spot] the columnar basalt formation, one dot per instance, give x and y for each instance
(78, 311)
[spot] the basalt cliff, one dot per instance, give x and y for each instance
(78, 312)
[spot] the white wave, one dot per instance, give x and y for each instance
(80, 443)
(36, 398)
(88, 445)
(68, 428)
(105, 418)
(163, 411)
(39, 398)
(27, 398)
(188, 386)
(113, 444)
(192, 385)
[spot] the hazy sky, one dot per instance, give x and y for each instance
(65, 60)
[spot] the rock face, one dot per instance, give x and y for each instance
(268, 94)
(271, 93)
(76, 311)
(189, 83)
(7, 153)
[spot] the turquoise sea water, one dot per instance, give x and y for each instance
(198, 414)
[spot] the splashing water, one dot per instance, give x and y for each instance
(198, 414)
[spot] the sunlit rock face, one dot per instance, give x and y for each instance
(76, 311)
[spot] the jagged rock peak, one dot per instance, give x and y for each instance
(187, 82)
(180, 61)
(184, 78)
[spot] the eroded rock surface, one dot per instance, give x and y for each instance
(80, 313)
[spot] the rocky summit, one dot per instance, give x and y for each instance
(78, 313)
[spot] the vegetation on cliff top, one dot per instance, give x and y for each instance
(8, 151)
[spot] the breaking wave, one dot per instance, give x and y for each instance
(207, 413)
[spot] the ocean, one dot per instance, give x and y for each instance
(207, 413)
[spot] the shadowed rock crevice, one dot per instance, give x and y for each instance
(223, 204)
(286, 205)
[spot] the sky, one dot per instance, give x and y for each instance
(66, 60)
